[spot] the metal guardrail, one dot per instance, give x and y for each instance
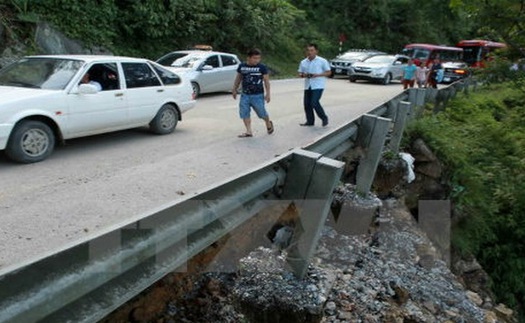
(86, 282)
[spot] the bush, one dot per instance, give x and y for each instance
(481, 140)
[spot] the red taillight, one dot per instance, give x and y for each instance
(478, 64)
(193, 95)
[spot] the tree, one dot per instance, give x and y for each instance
(500, 20)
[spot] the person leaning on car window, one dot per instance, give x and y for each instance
(87, 80)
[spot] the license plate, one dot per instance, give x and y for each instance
(446, 79)
(338, 70)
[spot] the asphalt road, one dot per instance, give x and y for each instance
(93, 184)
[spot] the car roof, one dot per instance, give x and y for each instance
(387, 55)
(200, 52)
(92, 58)
(365, 51)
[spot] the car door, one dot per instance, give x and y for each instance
(144, 92)
(97, 112)
(209, 75)
(229, 71)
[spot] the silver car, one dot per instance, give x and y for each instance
(208, 71)
(380, 68)
(341, 64)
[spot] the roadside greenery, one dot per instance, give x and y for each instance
(481, 140)
(280, 28)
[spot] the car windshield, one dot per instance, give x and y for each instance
(380, 59)
(168, 59)
(40, 73)
(417, 53)
(188, 61)
(353, 55)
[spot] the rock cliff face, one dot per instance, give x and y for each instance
(47, 40)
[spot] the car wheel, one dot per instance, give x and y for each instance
(30, 142)
(387, 79)
(352, 79)
(196, 89)
(165, 121)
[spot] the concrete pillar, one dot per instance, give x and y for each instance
(403, 109)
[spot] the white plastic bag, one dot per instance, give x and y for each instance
(409, 160)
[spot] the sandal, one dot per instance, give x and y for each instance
(245, 135)
(270, 130)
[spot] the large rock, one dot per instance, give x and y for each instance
(53, 42)
(12, 54)
(2, 37)
(421, 152)
(430, 169)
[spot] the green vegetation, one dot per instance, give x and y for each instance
(481, 140)
(281, 28)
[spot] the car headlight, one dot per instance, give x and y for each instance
(380, 72)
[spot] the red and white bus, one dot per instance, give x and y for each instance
(427, 52)
(451, 59)
(475, 52)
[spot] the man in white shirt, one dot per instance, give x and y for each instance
(87, 80)
(314, 69)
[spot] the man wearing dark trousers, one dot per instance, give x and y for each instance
(314, 69)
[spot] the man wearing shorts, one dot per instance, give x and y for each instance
(255, 79)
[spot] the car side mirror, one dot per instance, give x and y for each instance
(207, 68)
(87, 89)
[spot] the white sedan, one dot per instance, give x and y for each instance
(48, 99)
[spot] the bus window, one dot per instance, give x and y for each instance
(427, 52)
(476, 51)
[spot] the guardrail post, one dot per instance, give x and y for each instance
(403, 109)
(391, 109)
(466, 85)
(453, 91)
(412, 96)
(420, 97)
(431, 94)
(311, 179)
(375, 140)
